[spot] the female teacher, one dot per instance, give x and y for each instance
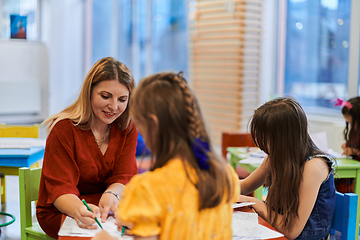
(90, 150)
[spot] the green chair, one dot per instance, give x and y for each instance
(29, 182)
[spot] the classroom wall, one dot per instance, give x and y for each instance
(333, 126)
(62, 32)
(56, 61)
(23, 63)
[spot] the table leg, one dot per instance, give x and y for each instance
(1, 188)
(357, 191)
(3, 184)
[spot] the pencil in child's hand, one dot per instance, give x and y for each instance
(123, 230)
(88, 208)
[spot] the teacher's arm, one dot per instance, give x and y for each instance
(72, 206)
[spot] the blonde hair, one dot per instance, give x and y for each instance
(80, 112)
(180, 122)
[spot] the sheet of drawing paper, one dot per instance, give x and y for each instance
(70, 228)
(246, 226)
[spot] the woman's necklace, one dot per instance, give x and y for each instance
(99, 143)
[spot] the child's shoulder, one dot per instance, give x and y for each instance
(173, 169)
(316, 166)
(157, 181)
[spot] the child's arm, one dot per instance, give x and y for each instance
(348, 151)
(146, 238)
(315, 172)
(255, 179)
(103, 235)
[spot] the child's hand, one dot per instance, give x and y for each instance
(343, 146)
(120, 224)
(103, 235)
(350, 151)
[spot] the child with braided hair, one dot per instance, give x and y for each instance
(187, 193)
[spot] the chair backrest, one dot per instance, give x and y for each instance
(235, 140)
(25, 131)
(29, 182)
(345, 214)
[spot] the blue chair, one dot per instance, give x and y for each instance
(344, 219)
(141, 148)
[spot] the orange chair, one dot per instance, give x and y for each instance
(236, 140)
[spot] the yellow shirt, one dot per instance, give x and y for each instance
(164, 202)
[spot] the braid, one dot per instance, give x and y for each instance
(172, 101)
(190, 106)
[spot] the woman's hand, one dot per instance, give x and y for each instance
(108, 202)
(86, 218)
(72, 206)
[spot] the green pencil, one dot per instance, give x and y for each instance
(87, 206)
(123, 230)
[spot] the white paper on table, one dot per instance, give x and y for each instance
(243, 204)
(70, 228)
(334, 154)
(246, 226)
(258, 154)
(21, 143)
(252, 160)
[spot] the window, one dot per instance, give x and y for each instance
(25, 12)
(147, 35)
(317, 52)
(169, 36)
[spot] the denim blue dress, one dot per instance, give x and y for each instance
(319, 223)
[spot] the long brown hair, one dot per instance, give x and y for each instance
(169, 98)
(351, 134)
(80, 112)
(279, 128)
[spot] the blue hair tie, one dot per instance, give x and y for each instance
(200, 150)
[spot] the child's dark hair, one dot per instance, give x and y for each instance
(280, 129)
(350, 133)
(168, 97)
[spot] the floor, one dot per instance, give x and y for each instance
(11, 206)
